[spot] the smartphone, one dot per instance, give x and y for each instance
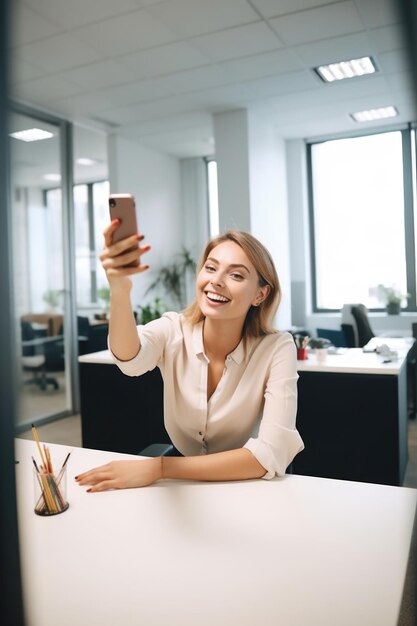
(122, 206)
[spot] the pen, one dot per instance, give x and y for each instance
(65, 462)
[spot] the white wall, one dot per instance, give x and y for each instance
(195, 211)
(232, 156)
(252, 183)
(155, 181)
(299, 232)
(269, 203)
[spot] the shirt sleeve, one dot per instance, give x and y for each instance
(154, 337)
(278, 440)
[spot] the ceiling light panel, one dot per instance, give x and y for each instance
(346, 69)
(374, 114)
(32, 134)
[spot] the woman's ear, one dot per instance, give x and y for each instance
(261, 295)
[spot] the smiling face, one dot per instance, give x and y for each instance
(228, 284)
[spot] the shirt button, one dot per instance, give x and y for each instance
(200, 433)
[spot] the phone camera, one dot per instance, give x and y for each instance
(112, 203)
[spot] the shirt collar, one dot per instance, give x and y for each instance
(237, 355)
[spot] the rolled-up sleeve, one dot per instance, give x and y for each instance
(278, 440)
(153, 339)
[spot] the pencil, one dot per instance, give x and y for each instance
(35, 436)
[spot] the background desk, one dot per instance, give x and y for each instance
(297, 551)
(353, 417)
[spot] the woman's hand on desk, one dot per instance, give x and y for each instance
(237, 464)
(122, 475)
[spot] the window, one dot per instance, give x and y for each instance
(91, 217)
(213, 200)
(360, 212)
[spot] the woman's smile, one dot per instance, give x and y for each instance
(216, 298)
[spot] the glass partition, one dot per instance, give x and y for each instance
(38, 268)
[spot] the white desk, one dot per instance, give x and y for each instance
(356, 361)
(297, 551)
(353, 414)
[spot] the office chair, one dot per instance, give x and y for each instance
(355, 325)
(363, 327)
(336, 337)
(34, 359)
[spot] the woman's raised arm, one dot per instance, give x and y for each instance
(115, 257)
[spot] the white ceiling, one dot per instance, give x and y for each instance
(157, 70)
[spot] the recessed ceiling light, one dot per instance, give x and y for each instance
(374, 114)
(52, 177)
(86, 161)
(346, 69)
(32, 134)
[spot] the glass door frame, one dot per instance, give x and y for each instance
(70, 301)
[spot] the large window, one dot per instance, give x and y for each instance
(213, 199)
(361, 214)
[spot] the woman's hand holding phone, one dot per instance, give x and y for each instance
(121, 256)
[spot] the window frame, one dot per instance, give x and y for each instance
(409, 157)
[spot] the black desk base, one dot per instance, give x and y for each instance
(354, 426)
(118, 412)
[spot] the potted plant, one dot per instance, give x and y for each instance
(172, 277)
(393, 298)
(320, 346)
(103, 294)
(52, 297)
(149, 312)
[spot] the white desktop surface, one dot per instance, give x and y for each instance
(297, 551)
(102, 358)
(353, 361)
(350, 360)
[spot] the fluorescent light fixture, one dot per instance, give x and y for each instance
(53, 177)
(32, 134)
(374, 114)
(86, 161)
(346, 69)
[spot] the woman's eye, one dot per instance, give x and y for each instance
(209, 268)
(237, 276)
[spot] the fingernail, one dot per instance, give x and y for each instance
(140, 237)
(115, 221)
(89, 490)
(76, 477)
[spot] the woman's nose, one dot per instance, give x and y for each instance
(217, 279)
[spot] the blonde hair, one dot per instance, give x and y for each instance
(258, 320)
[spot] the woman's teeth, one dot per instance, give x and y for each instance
(216, 297)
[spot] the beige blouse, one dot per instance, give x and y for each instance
(254, 405)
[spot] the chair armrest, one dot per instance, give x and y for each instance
(157, 449)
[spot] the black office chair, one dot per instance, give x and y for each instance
(365, 332)
(355, 325)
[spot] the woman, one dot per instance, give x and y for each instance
(230, 380)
